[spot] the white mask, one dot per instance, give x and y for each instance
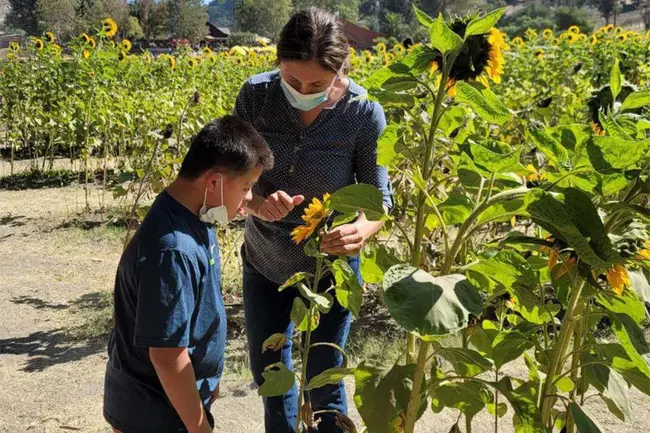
(214, 215)
(303, 102)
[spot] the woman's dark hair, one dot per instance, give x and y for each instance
(229, 143)
(314, 34)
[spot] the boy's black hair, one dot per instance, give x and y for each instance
(229, 143)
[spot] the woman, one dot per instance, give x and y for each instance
(324, 137)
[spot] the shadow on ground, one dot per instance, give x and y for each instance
(13, 220)
(86, 337)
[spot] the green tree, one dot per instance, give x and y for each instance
(187, 19)
(394, 25)
(347, 10)
(134, 29)
(607, 8)
(565, 17)
(91, 13)
(58, 16)
(263, 17)
(23, 15)
(152, 16)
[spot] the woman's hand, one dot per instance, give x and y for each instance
(275, 207)
(345, 240)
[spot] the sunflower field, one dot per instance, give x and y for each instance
(521, 176)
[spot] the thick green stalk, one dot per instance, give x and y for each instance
(575, 370)
(561, 346)
(418, 378)
(307, 347)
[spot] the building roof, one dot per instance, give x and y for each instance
(216, 31)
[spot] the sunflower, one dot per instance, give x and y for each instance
(110, 27)
(518, 42)
(122, 56)
(594, 40)
(381, 47)
(601, 100)
(50, 37)
(582, 37)
(207, 50)
(608, 28)
(192, 62)
(548, 34)
(399, 49)
(479, 58)
(618, 278)
(597, 129)
(644, 254)
(539, 54)
(315, 213)
(147, 57)
(638, 39)
(57, 49)
(126, 45)
(86, 54)
(622, 37)
(618, 30)
(531, 35)
(38, 43)
(535, 178)
(172, 62)
(14, 46)
(574, 29)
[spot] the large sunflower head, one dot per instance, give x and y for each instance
(480, 56)
(314, 215)
(50, 37)
(109, 26)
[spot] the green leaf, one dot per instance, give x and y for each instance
(551, 214)
(359, 198)
(482, 25)
(331, 376)
(612, 153)
(492, 161)
(295, 279)
(639, 283)
(527, 418)
(616, 357)
(468, 397)
(466, 362)
(628, 303)
(400, 83)
(451, 119)
(348, 290)
(386, 145)
(274, 342)
(616, 80)
(375, 262)
(391, 99)
(637, 99)
(506, 268)
(554, 151)
(382, 394)
(340, 220)
(500, 410)
(454, 210)
(584, 422)
(323, 301)
(484, 102)
(483, 338)
(528, 304)
(427, 305)
(396, 70)
(442, 37)
(508, 346)
(300, 315)
(419, 58)
(633, 340)
(423, 18)
(565, 384)
(610, 383)
(277, 380)
(503, 211)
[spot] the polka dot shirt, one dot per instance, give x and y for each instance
(338, 149)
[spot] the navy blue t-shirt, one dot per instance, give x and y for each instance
(167, 294)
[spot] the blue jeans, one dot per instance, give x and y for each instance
(267, 312)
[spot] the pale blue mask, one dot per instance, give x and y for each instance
(304, 102)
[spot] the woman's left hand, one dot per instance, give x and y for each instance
(345, 240)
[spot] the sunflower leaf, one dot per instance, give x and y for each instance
(637, 99)
(359, 198)
(484, 102)
(616, 80)
(442, 37)
(424, 19)
(483, 24)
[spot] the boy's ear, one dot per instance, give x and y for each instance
(213, 181)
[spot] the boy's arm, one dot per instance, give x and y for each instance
(176, 375)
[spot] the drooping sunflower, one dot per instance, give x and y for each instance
(314, 215)
(38, 43)
(539, 54)
(574, 29)
(479, 58)
(518, 42)
(381, 47)
(601, 100)
(50, 37)
(548, 34)
(122, 55)
(109, 26)
(57, 49)
(399, 49)
(618, 278)
(126, 45)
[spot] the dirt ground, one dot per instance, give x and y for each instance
(55, 275)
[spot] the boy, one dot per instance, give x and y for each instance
(166, 351)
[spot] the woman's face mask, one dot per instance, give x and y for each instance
(303, 102)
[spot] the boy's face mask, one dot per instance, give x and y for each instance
(215, 215)
(303, 102)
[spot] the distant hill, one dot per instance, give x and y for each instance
(222, 13)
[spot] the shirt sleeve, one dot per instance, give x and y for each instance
(243, 103)
(166, 300)
(366, 169)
